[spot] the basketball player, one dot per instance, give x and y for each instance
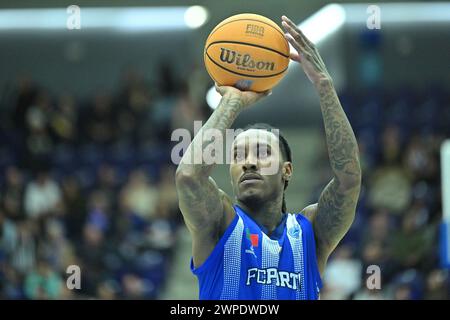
(253, 249)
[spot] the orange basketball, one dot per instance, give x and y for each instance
(247, 51)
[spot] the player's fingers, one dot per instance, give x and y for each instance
(288, 22)
(298, 46)
(293, 33)
(305, 38)
(291, 24)
(297, 30)
(303, 54)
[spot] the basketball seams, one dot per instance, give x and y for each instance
(248, 44)
(243, 74)
(270, 46)
(207, 69)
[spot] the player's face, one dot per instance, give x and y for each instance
(257, 166)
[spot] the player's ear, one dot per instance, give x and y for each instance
(287, 170)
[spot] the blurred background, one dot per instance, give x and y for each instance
(86, 117)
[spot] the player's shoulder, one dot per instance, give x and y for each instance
(309, 212)
(228, 210)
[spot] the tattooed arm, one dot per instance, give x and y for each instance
(206, 209)
(334, 213)
(337, 203)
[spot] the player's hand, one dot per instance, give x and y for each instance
(246, 97)
(307, 54)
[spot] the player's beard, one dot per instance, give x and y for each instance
(253, 201)
(256, 198)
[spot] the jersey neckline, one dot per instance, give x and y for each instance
(278, 232)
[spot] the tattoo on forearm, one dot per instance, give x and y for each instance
(221, 119)
(337, 203)
(341, 141)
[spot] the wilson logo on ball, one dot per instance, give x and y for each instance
(244, 61)
(247, 51)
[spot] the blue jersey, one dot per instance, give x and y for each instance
(248, 265)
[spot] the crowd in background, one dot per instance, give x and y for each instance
(90, 183)
(396, 230)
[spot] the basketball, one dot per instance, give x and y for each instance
(247, 51)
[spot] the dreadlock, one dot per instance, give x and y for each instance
(284, 148)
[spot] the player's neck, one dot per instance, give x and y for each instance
(266, 214)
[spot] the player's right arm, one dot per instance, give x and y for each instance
(206, 209)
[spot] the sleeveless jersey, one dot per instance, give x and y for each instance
(246, 264)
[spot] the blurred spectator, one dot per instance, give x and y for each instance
(408, 285)
(9, 236)
(64, 120)
(43, 283)
(107, 183)
(342, 274)
(99, 215)
(379, 226)
(138, 196)
(26, 93)
(390, 188)
(168, 198)
(391, 145)
(55, 247)
(134, 106)
(403, 292)
(39, 143)
(23, 255)
(416, 157)
(94, 247)
(75, 208)
(437, 286)
(413, 243)
(92, 251)
(107, 290)
(99, 121)
(42, 196)
(375, 246)
(11, 284)
(161, 232)
(13, 193)
(135, 287)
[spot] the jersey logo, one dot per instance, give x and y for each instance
(294, 231)
(253, 237)
(273, 276)
(254, 241)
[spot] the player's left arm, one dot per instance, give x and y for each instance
(335, 211)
